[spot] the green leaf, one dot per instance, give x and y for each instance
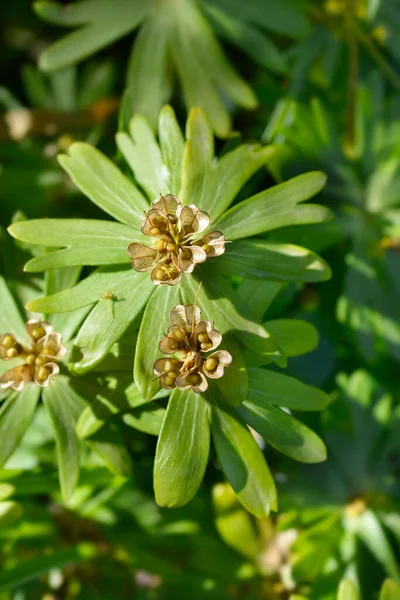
(182, 449)
(154, 325)
(10, 317)
(34, 568)
(258, 259)
(250, 39)
(86, 292)
(101, 181)
(258, 295)
(215, 302)
(106, 27)
(275, 207)
(283, 432)
(149, 72)
(109, 319)
(241, 459)
(233, 523)
(110, 445)
(77, 13)
(347, 591)
(233, 385)
(197, 160)
(57, 280)
(370, 531)
(94, 256)
(294, 336)
(390, 591)
(16, 415)
(9, 513)
(172, 146)
(143, 155)
(79, 233)
(281, 390)
(64, 406)
(231, 173)
(147, 418)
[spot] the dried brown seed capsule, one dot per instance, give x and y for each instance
(39, 359)
(178, 225)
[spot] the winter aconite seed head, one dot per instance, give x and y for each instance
(39, 360)
(189, 338)
(175, 249)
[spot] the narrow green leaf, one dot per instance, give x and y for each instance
(149, 73)
(147, 418)
(182, 449)
(233, 385)
(241, 459)
(258, 259)
(104, 29)
(79, 233)
(250, 39)
(10, 317)
(266, 210)
(281, 390)
(94, 256)
(101, 181)
(347, 591)
(232, 172)
(109, 319)
(283, 432)
(233, 523)
(110, 445)
(86, 292)
(207, 51)
(32, 569)
(198, 88)
(197, 176)
(390, 591)
(78, 13)
(143, 155)
(64, 406)
(172, 146)
(370, 531)
(216, 302)
(16, 415)
(294, 336)
(58, 280)
(258, 295)
(154, 325)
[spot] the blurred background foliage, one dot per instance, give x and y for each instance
(320, 79)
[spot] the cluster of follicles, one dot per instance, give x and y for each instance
(191, 343)
(38, 359)
(176, 246)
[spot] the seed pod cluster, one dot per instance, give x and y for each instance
(174, 250)
(190, 340)
(38, 360)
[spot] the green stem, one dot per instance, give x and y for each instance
(377, 56)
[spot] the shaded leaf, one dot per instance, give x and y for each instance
(182, 449)
(242, 460)
(64, 406)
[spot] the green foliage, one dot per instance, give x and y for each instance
(283, 474)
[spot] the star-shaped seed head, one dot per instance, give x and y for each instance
(38, 360)
(190, 340)
(176, 248)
